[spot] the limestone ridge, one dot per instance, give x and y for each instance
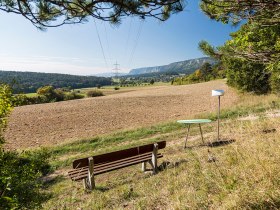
(186, 67)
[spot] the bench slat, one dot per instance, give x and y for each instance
(83, 173)
(96, 166)
(125, 164)
(118, 155)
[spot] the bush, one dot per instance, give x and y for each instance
(72, 96)
(275, 82)
(116, 88)
(20, 186)
(247, 76)
(94, 93)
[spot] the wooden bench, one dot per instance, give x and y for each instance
(86, 168)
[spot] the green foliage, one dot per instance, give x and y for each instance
(207, 72)
(255, 43)
(265, 13)
(72, 96)
(19, 173)
(116, 88)
(247, 76)
(49, 94)
(274, 81)
(94, 93)
(49, 13)
(152, 81)
(252, 57)
(245, 73)
(6, 101)
(208, 49)
(20, 186)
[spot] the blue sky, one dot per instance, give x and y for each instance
(75, 49)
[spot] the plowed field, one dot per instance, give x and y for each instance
(54, 123)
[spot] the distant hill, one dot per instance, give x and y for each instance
(186, 67)
(30, 81)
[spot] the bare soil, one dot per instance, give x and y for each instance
(55, 123)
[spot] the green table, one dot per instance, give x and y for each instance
(194, 121)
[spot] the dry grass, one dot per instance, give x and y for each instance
(244, 175)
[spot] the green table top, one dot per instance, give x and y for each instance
(194, 121)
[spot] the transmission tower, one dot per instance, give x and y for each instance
(116, 69)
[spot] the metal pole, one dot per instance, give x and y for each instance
(219, 118)
(187, 136)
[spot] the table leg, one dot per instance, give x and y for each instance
(187, 136)
(201, 133)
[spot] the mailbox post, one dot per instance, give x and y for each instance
(218, 93)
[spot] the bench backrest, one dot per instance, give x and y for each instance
(118, 155)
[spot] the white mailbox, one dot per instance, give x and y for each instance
(218, 92)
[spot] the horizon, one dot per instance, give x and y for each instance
(76, 49)
(101, 72)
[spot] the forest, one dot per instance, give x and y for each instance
(29, 82)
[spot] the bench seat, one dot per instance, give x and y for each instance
(82, 173)
(86, 168)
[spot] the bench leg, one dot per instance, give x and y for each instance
(89, 181)
(144, 166)
(154, 158)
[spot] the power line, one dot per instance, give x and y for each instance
(128, 37)
(136, 43)
(100, 43)
(109, 51)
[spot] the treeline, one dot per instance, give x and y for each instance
(29, 82)
(146, 79)
(49, 94)
(206, 73)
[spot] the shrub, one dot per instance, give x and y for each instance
(20, 100)
(20, 186)
(275, 82)
(247, 76)
(116, 88)
(72, 96)
(94, 93)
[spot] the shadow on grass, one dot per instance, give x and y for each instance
(168, 165)
(49, 181)
(220, 143)
(265, 131)
(274, 204)
(99, 188)
(212, 144)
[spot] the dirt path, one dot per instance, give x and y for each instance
(54, 123)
